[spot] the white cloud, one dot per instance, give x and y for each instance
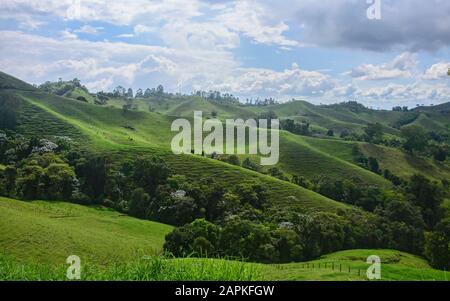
(140, 29)
(89, 29)
(437, 71)
(401, 67)
(293, 82)
(254, 20)
(412, 92)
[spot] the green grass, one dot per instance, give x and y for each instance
(404, 165)
(10, 82)
(395, 266)
(78, 92)
(313, 157)
(37, 237)
(51, 231)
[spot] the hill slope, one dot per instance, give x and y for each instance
(36, 234)
(51, 231)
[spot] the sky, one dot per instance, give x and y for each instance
(323, 51)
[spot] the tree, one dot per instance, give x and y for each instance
(160, 90)
(147, 93)
(403, 211)
(437, 250)
(30, 181)
(139, 203)
(415, 138)
(9, 105)
(374, 166)
(374, 132)
(149, 173)
(119, 91)
(232, 159)
(330, 133)
(428, 196)
(139, 93)
(130, 93)
(58, 181)
(249, 164)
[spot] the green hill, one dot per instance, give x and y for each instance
(10, 82)
(34, 235)
(51, 231)
(106, 129)
(110, 129)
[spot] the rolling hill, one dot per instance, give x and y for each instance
(113, 130)
(37, 237)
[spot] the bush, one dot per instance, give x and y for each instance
(437, 250)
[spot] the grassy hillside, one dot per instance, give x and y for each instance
(108, 129)
(51, 231)
(10, 82)
(115, 130)
(111, 246)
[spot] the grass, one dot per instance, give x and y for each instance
(51, 231)
(405, 165)
(156, 268)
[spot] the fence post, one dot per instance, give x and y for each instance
(340, 267)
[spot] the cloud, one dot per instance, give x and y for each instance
(89, 29)
(289, 82)
(254, 20)
(401, 67)
(416, 91)
(411, 25)
(437, 71)
(140, 29)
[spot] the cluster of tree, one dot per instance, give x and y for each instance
(295, 127)
(290, 236)
(416, 203)
(352, 106)
(9, 106)
(217, 96)
(414, 140)
(434, 144)
(44, 169)
(261, 102)
(62, 87)
(33, 170)
(400, 109)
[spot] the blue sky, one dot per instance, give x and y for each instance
(321, 51)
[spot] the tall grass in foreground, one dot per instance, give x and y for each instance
(155, 268)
